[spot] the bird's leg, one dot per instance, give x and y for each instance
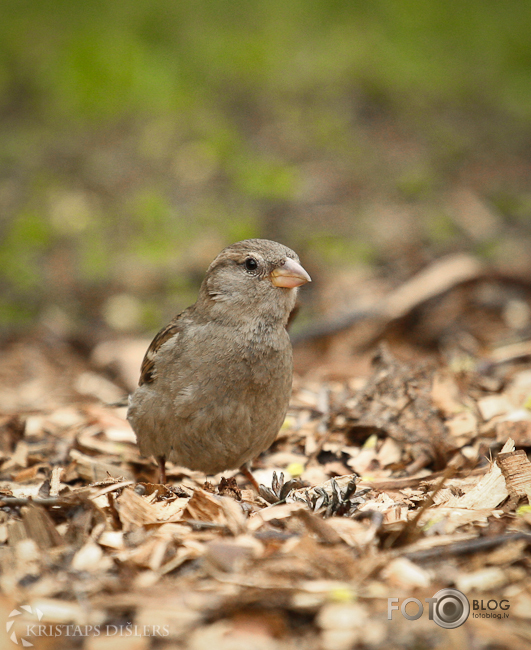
(247, 473)
(162, 469)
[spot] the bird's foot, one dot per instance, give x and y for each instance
(247, 473)
(162, 469)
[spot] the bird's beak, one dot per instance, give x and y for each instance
(289, 275)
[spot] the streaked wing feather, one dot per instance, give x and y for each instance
(147, 370)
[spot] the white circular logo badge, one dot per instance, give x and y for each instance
(11, 621)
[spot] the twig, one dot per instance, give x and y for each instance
(73, 499)
(409, 530)
(110, 488)
(466, 547)
(399, 483)
(197, 524)
(40, 501)
(324, 407)
(324, 328)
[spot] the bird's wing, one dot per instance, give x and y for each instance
(147, 370)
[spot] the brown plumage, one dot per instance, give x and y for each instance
(215, 383)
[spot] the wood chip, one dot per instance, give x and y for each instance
(445, 393)
(481, 581)
(40, 527)
(463, 425)
(134, 510)
(494, 405)
(489, 492)
(516, 469)
(94, 469)
(207, 507)
(519, 431)
(401, 572)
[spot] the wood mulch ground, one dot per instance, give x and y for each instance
(395, 480)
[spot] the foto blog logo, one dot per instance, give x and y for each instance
(449, 608)
(11, 621)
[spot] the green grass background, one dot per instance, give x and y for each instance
(139, 137)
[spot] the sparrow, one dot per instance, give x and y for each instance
(215, 383)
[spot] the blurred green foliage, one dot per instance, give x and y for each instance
(97, 60)
(139, 136)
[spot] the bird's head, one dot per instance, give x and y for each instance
(254, 277)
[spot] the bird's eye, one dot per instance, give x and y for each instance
(251, 264)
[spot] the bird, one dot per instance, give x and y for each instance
(215, 383)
